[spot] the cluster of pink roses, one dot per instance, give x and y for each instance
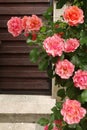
(27, 24)
(55, 46)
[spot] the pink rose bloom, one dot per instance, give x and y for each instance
(71, 45)
(73, 15)
(46, 127)
(33, 23)
(80, 79)
(72, 111)
(15, 26)
(55, 128)
(24, 20)
(64, 69)
(54, 45)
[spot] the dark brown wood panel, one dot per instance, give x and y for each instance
(22, 72)
(21, 83)
(9, 37)
(20, 1)
(17, 73)
(3, 23)
(15, 47)
(23, 10)
(15, 61)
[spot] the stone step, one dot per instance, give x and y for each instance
(24, 108)
(20, 126)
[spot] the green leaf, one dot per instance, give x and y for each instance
(84, 124)
(83, 40)
(68, 128)
(52, 117)
(58, 30)
(78, 127)
(43, 29)
(75, 60)
(61, 93)
(59, 105)
(54, 109)
(50, 127)
(54, 59)
(50, 72)
(43, 121)
(84, 96)
(73, 126)
(62, 57)
(57, 114)
(43, 64)
(80, 99)
(29, 41)
(83, 37)
(34, 55)
(83, 67)
(60, 3)
(48, 13)
(72, 92)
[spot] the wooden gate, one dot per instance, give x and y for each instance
(17, 73)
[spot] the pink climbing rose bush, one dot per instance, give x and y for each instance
(60, 48)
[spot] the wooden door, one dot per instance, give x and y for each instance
(17, 73)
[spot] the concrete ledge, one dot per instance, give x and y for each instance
(24, 108)
(26, 104)
(20, 126)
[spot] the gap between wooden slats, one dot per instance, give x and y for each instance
(24, 1)
(22, 91)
